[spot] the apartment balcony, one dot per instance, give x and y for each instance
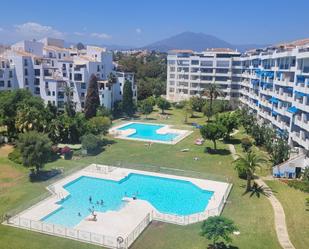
(302, 123)
(278, 123)
(302, 87)
(266, 91)
(266, 103)
(300, 104)
(283, 82)
(283, 111)
(283, 96)
(300, 139)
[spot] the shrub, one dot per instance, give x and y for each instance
(301, 185)
(246, 144)
(67, 152)
(91, 143)
(15, 156)
(180, 105)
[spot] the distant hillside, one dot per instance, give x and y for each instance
(196, 42)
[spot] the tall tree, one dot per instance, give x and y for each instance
(163, 104)
(92, 98)
(9, 102)
(69, 105)
(218, 227)
(248, 164)
(146, 106)
(213, 132)
(35, 149)
(212, 92)
(127, 98)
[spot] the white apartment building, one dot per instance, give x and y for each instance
(272, 82)
(189, 73)
(47, 69)
(122, 78)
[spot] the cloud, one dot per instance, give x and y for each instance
(138, 30)
(1, 29)
(79, 33)
(102, 36)
(36, 30)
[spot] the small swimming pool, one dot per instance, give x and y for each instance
(170, 196)
(148, 132)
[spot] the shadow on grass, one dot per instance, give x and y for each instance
(257, 191)
(233, 141)
(221, 245)
(212, 151)
(43, 175)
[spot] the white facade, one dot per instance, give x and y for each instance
(46, 68)
(189, 73)
(273, 83)
(122, 78)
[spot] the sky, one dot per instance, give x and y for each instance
(141, 22)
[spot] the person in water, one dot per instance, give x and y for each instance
(90, 199)
(79, 214)
(102, 202)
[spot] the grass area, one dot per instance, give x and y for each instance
(297, 215)
(253, 215)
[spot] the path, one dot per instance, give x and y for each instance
(280, 224)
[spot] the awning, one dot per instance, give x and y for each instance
(292, 109)
(254, 82)
(274, 113)
(273, 100)
(299, 94)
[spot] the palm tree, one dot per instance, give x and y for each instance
(69, 104)
(112, 79)
(212, 92)
(248, 164)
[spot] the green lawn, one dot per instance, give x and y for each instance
(297, 217)
(253, 215)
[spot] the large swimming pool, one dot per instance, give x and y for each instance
(170, 196)
(148, 132)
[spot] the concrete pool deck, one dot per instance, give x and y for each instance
(125, 134)
(123, 223)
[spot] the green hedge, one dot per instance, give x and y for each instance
(15, 156)
(301, 185)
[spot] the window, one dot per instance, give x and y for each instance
(26, 81)
(82, 104)
(83, 85)
(72, 84)
(195, 62)
(59, 56)
(207, 63)
(48, 93)
(98, 68)
(1, 83)
(25, 62)
(26, 72)
(36, 81)
(60, 95)
(70, 76)
(64, 66)
(37, 90)
(10, 74)
(82, 95)
(53, 93)
(37, 72)
(9, 83)
(78, 77)
(223, 63)
(46, 84)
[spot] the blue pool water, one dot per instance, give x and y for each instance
(165, 194)
(148, 132)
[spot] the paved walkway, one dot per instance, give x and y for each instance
(280, 225)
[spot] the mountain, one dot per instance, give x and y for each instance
(196, 42)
